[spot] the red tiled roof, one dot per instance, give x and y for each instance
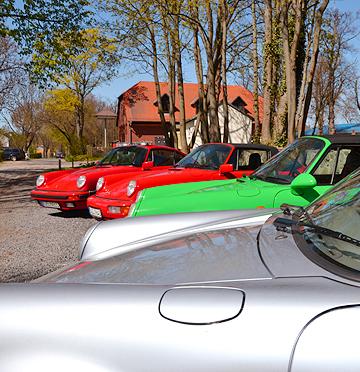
(141, 97)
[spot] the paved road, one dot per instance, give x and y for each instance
(33, 240)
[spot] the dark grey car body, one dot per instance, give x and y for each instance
(207, 291)
(11, 153)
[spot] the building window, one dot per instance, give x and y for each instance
(239, 103)
(165, 101)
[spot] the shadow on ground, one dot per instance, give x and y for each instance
(83, 213)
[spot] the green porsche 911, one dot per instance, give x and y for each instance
(297, 175)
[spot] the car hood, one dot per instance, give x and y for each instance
(209, 195)
(115, 188)
(67, 181)
(224, 247)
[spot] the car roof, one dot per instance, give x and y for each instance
(340, 138)
(149, 147)
(257, 146)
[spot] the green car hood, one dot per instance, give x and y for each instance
(209, 195)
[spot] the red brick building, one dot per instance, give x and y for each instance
(138, 119)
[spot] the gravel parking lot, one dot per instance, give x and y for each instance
(33, 240)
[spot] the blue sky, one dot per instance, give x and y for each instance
(118, 86)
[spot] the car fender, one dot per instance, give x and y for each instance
(124, 235)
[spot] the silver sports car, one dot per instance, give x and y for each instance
(274, 291)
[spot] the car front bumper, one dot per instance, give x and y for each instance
(108, 209)
(62, 200)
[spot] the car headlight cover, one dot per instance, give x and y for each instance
(81, 182)
(40, 180)
(100, 183)
(131, 188)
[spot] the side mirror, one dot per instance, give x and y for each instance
(148, 165)
(303, 181)
(226, 168)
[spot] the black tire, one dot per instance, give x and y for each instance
(13, 158)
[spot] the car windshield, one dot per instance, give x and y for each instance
(338, 210)
(206, 157)
(290, 162)
(127, 155)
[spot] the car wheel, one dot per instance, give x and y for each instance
(13, 158)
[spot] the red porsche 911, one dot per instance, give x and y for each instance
(69, 189)
(214, 161)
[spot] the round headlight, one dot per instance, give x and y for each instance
(131, 188)
(40, 180)
(81, 182)
(100, 183)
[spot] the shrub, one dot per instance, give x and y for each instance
(1, 156)
(35, 155)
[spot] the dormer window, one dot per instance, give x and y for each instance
(165, 101)
(239, 103)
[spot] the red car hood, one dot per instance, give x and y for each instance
(67, 181)
(116, 189)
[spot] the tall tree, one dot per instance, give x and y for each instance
(339, 32)
(310, 69)
(12, 71)
(36, 25)
(256, 136)
(92, 66)
(298, 10)
(26, 115)
(268, 72)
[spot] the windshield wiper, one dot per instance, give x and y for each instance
(190, 165)
(277, 179)
(282, 223)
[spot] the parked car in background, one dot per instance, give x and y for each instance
(206, 291)
(297, 175)
(12, 153)
(69, 189)
(213, 161)
(59, 154)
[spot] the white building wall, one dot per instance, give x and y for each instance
(240, 126)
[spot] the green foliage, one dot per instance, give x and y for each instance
(1, 156)
(36, 25)
(281, 140)
(257, 136)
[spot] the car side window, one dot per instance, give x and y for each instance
(162, 157)
(178, 156)
(251, 159)
(337, 164)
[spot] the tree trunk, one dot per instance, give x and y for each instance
(268, 107)
(170, 53)
(184, 145)
(290, 58)
(223, 71)
(214, 131)
(256, 131)
(157, 86)
(312, 67)
(203, 105)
